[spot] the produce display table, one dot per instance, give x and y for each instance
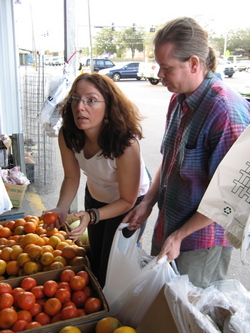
(13, 214)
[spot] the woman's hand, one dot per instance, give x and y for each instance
(59, 223)
(84, 218)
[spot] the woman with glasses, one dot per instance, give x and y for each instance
(100, 136)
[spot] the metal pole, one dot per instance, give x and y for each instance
(90, 40)
(69, 53)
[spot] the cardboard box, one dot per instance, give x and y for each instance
(161, 317)
(158, 318)
(16, 193)
(89, 321)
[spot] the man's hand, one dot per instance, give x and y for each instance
(171, 247)
(137, 216)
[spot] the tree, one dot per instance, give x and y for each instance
(133, 39)
(237, 43)
(104, 41)
(110, 41)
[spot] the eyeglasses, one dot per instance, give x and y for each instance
(90, 101)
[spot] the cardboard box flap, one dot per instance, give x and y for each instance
(158, 318)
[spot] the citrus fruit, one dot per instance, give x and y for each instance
(107, 325)
(2, 266)
(125, 329)
(70, 329)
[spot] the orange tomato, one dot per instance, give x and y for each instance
(15, 293)
(32, 325)
(8, 317)
(64, 285)
(69, 312)
(5, 288)
(28, 283)
(81, 312)
(26, 300)
(56, 318)
(24, 315)
(37, 308)
(50, 287)
(88, 291)
(52, 306)
(79, 297)
(85, 274)
(42, 318)
(38, 292)
(63, 295)
(77, 282)
(19, 325)
(66, 275)
(6, 301)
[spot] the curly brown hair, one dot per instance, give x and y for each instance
(123, 116)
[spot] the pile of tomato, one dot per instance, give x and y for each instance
(31, 305)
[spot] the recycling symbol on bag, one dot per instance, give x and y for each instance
(227, 210)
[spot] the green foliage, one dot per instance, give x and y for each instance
(120, 41)
(237, 43)
(137, 39)
(104, 42)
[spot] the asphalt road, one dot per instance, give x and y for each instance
(152, 102)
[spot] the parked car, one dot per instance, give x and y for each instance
(243, 65)
(125, 70)
(149, 71)
(244, 90)
(225, 68)
(98, 64)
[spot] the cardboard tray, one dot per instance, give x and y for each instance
(92, 318)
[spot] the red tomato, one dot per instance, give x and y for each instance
(92, 304)
(26, 300)
(88, 291)
(28, 283)
(79, 297)
(50, 218)
(69, 312)
(85, 274)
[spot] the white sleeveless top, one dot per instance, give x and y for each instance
(102, 177)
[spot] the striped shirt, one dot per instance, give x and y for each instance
(199, 131)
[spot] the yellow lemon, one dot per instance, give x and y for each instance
(125, 329)
(70, 329)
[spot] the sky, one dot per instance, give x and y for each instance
(40, 22)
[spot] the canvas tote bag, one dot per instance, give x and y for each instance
(227, 198)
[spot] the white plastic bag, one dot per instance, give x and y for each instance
(227, 198)
(58, 90)
(187, 317)
(5, 203)
(133, 279)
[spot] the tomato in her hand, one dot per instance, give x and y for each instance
(50, 218)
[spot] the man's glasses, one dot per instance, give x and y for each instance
(90, 101)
